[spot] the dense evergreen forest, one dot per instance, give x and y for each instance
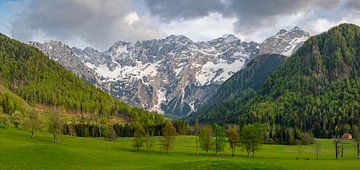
(316, 90)
(46, 85)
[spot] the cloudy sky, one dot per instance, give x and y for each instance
(99, 23)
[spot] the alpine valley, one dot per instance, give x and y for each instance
(173, 75)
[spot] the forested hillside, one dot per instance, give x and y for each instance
(43, 83)
(245, 82)
(316, 90)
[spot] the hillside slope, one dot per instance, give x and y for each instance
(245, 81)
(30, 74)
(10, 102)
(316, 90)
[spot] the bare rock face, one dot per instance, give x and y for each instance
(173, 75)
(284, 42)
(62, 54)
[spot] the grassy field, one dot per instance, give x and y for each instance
(19, 151)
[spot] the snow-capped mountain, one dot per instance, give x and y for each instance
(173, 75)
(284, 42)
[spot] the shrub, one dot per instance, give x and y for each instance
(4, 120)
(307, 138)
(16, 118)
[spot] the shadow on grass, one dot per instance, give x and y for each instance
(220, 164)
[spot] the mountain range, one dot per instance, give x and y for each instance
(173, 75)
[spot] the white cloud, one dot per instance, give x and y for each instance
(205, 28)
(131, 18)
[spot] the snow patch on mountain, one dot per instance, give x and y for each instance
(218, 72)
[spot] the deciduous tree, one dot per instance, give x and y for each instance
(233, 139)
(356, 139)
(33, 123)
(205, 138)
(168, 138)
(251, 138)
(56, 124)
(139, 134)
(220, 138)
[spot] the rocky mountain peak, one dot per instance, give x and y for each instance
(285, 42)
(281, 32)
(226, 38)
(179, 39)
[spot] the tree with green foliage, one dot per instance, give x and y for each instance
(337, 142)
(169, 133)
(4, 120)
(16, 118)
(56, 125)
(220, 138)
(206, 139)
(196, 132)
(181, 127)
(112, 133)
(233, 138)
(356, 139)
(33, 123)
(139, 136)
(251, 138)
(149, 141)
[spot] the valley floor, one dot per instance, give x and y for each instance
(19, 151)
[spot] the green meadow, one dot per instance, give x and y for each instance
(19, 151)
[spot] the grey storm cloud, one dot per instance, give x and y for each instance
(97, 23)
(250, 14)
(100, 23)
(168, 10)
(253, 14)
(353, 4)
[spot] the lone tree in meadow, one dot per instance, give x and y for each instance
(205, 137)
(139, 136)
(220, 138)
(168, 138)
(197, 131)
(251, 138)
(33, 123)
(149, 141)
(357, 140)
(112, 133)
(233, 139)
(56, 125)
(337, 142)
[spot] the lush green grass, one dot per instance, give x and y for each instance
(19, 151)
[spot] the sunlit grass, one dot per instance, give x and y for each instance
(19, 151)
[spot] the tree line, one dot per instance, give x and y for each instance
(208, 137)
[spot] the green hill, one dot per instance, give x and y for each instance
(41, 82)
(317, 89)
